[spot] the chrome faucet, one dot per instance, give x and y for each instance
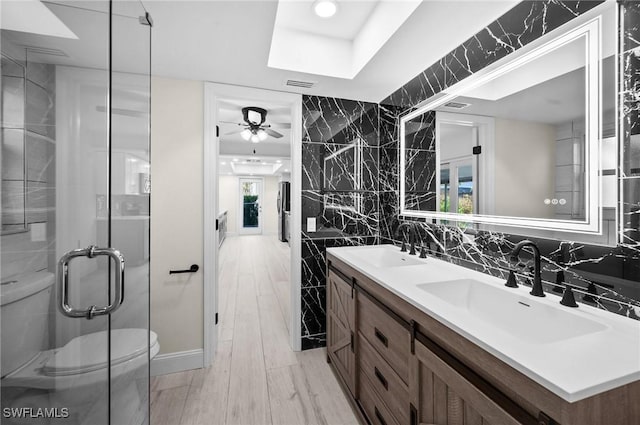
(537, 290)
(412, 237)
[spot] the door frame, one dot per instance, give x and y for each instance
(241, 229)
(213, 92)
(485, 137)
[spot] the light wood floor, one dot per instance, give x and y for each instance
(256, 379)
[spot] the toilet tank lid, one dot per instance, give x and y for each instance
(17, 287)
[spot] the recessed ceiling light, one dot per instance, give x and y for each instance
(235, 159)
(279, 162)
(325, 8)
(244, 162)
(223, 163)
(286, 170)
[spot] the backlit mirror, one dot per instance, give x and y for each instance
(527, 142)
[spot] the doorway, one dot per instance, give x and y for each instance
(250, 208)
(272, 157)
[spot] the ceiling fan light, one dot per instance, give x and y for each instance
(255, 138)
(246, 134)
(262, 135)
(325, 8)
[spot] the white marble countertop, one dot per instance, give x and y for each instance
(574, 368)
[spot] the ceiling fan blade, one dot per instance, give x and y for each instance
(282, 125)
(273, 133)
(232, 122)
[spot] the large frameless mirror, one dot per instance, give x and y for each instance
(527, 142)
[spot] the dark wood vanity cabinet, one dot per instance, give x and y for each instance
(442, 395)
(341, 317)
(402, 367)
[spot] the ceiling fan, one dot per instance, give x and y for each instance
(254, 127)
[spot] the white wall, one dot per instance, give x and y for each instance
(524, 168)
(177, 213)
(229, 190)
(456, 141)
(228, 200)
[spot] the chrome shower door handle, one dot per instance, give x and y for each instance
(63, 282)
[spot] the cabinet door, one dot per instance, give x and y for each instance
(340, 328)
(443, 396)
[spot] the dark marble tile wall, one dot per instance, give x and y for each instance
(630, 172)
(522, 24)
(608, 277)
(340, 157)
(420, 163)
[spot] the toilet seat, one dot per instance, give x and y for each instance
(87, 353)
(92, 371)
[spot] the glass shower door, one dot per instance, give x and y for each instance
(130, 203)
(68, 83)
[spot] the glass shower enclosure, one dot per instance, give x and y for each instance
(75, 344)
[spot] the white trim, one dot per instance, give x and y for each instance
(210, 214)
(163, 364)
(591, 31)
(212, 92)
(295, 324)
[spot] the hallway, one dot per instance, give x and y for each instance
(256, 378)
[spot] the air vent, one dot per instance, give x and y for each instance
(456, 105)
(254, 161)
(45, 51)
(301, 84)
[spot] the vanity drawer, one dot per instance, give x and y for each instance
(373, 407)
(387, 336)
(386, 383)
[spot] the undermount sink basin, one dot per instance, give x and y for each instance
(386, 256)
(520, 316)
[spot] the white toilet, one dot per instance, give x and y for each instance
(73, 376)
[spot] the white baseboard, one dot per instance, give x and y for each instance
(177, 362)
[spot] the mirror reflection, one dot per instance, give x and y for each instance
(520, 141)
(12, 117)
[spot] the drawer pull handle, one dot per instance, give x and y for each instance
(381, 378)
(383, 339)
(379, 416)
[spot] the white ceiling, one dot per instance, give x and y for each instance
(346, 24)
(339, 46)
(229, 42)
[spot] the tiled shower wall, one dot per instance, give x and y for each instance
(29, 136)
(339, 190)
(612, 274)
